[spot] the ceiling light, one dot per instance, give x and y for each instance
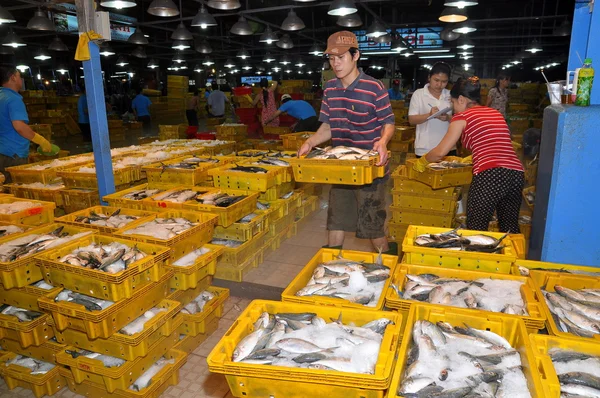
(304, 1)
(203, 19)
(118, 4)
(12, 40)
(464, 28)
(292, 22)
(563, 30)
(180, 45)
(534, 47)
(183, 66)
(453, 15)
(316, 50)
(288, 71)
(208, 62)
(241, 27)
(153, 64)
(276, 69)
(285, 60)
(243, 54)
(229, 63)
(163, 8)
(309, 72)
(268, 58)
(173, 67)
(387, 38)
(350, 21)
(460, 3)
(203, 47)
(22, 68)
(138, 38)
(197, 68)
(398, 45)
(181, 33)
(467, 66)
(122, 61)
(225, 5)
(376, 29)
(299, 63)
(139, 52)
(62, 70)
(6, 16)
(285, 42)
(246, 67)
(466, 56)
(516, 62)
(39, 21)
(268, 36)
(409, 52)
(342, 8)
(437, 56)
(42, 55)
(178, 59)
(448, 35)
(105, 50)
(466, 44)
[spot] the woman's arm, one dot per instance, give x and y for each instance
(448, 142)
(490, 97)
(256, 99)
(273, 85)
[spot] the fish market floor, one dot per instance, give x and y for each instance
(278, 270)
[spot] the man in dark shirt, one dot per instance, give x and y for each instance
(355, 111)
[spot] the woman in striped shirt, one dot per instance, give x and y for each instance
(498, 176)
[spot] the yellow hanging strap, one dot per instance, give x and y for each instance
(83, 49)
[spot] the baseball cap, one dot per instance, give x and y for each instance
(286, 96)
(340, 42)
(396, 81)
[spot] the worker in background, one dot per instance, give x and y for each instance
(355, 112)
(15, 133)
(141, 109)
(498, 176)
(299, 109)
(191, 111)
(498, 95)
(427, 101)
(395, 93)
(83, 116)
(267, 101)
(216, 103)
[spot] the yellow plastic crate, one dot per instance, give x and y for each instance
(533, 301)
(246, 379)
(243, 231)
(402, 146)
(221, 149)
(153, 203)
(99, 284)
(24, 297)
(25, 271)
(293, 142)
(70, 219)
(232, 129)
(230, 214)
(182, 244)
(404, 133)
(511, 329)
(267, 144)
(277, 191)
(39, 215)
(538, 270)
(529, 204)
(276, 227)
(276, 130)
(128, 347)
(190, 343)
(413, 216)
(324, 255)
(104, 323)
(189, 277)
(79, 199)
(472, 261)
(308, 207)
(26, 334)
(541, 344)
(196, 324)
(40, 384)
(223, 177)
(397, 231)
(45, 352)
(168, 376)
(237, 255)
(157, 173)
(72, 178)
(405, 184)
(237, 272)
(422, 201)
(43, 194)
(288, 205)
(26, 175)
(330, 171)
(441, 178)
(116, 199)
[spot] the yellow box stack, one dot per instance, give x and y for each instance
(232, 132)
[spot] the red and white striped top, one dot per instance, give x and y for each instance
(488, 137)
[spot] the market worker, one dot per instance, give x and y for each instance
(266, 98)
(498, 95)
(427, 101)
(355, 111)
(498, 176)
(299, 109)
(15, 133)
(395, 93)
(141, 109)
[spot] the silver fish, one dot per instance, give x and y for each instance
(145, 379)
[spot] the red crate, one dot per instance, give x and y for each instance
(242, 91)
(205, 135)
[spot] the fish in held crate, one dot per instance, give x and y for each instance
(341, 153)
(451, 240)
(107, 360)
(34, 243)
(305, 340)
(198, 303)
(22, 314)
(10, 230)
(138, 324)
(141, 194)
(16, 207)
(36, 366)
(578, 373)
(524, 271)
(495, 295)
(162, 228)
(575, 311)
(146, 378)
(90, 303)
(271, 161)
(113, 220)
(111, 258)
(178, 196)
(354, 281)
(248, 169)
(448, 164)
(190, 258)
(447, 361)
(219, 199)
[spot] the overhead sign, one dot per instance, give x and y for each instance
(254, 79)
(120, 25)
(419, 38)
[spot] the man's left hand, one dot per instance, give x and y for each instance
(381, 148)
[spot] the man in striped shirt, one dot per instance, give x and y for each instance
(355, 112)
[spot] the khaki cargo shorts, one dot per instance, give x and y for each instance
(359, 209)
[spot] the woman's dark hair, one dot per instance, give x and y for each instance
(501, 76)
(264, 83)
(440, 67)
(469, 88)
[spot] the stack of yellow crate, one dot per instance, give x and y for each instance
(116, 130)
(232, 132)
(401, 145)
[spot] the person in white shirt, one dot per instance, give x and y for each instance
(427, 101)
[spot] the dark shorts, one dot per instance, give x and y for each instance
(86, 132)
(192, 117)
(451, 153)
(9, 161)
(309, 124)
(359, 209)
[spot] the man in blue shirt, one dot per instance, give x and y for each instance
(216, 103)
(84, 117)
(301, 110)
(395, 93)
(15, 133)
(141, 109)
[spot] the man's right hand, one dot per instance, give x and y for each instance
(42, 142)
(434, 109)
(304, 149)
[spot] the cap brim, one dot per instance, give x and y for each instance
(337, 50)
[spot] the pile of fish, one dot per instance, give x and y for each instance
(42, 285)
(446, 164)
(146, 378)
(162, 228)
(530, 196)
(263, 205)
(452, 241)
(6, 230)
(456, 362)
(354, 281)
(219, 199)
(252, 154)
(305, 340)
(179, 195)
(138, 324)
(287, 195)
(189, 163)
(112, 258)
(578, 373)
(21, 314)
(107, 360)
(248, 169)
(36, 366)
(38, 185)
(141, 194)
(247, 218)
(16, 207)
(27, 245)
(113, 220)
(190, 258)
(232, 244)
(341, 153)
(495, 295)
(61, 162)
(198, 303)
(90, 303)
(526, 271)
(575, 311)
(271, 161)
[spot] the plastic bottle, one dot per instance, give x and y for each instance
(584, 83)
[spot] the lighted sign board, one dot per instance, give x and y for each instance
(254, 79)
(120, 25)
(419, 38)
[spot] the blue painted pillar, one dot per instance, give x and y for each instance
(585, 41)
(98, 123)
